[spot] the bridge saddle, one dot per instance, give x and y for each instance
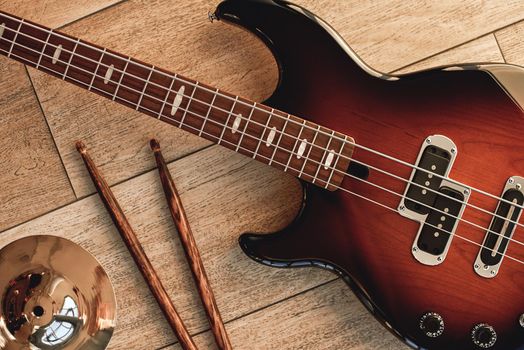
(433, 200)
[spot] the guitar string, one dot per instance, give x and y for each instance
(334, 169)
(195, 85)
(340, 188)
(138, 106)
(296, 138)
(318, 163)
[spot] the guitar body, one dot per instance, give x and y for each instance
(323, 81)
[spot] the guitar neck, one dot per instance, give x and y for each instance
(306, 150)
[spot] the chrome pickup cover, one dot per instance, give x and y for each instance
(501, 229)
(433, 200)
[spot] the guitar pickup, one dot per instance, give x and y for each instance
(501, 229)
(433, 200)
(437, 230)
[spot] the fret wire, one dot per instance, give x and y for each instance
(160, 72)
(208, 111)
(14, 39)
(227, 97)
(145, 87)
(43, 49)
(227, 120)
(295, 145)
(167, 96)
(245, 128)
(262, 136)
(309, 152)
(103, 92)
(187, 106)
(335, 164)
(96, 69)
(323, 156)
(278, 142)
(70, 59)
(152, 112)
(483, 192)
(236, 99)
(121, 77)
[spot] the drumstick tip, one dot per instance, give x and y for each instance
(81, 147)
(155, 146)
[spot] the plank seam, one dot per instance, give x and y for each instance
(455, 46)
(320, 285)
(50, 130)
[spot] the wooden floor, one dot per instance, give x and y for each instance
(45, 189)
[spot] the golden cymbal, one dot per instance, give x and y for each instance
(54, 295)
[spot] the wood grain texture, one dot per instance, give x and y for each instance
(484, 49)
(225, 57)
(216, 216)
(32, 178)
(191, 251)
(132, 243)
(292, 324)
(54, 13)
(389, 35)
(511, 43)
(186, 37)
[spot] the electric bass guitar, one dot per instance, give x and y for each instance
(413, 184)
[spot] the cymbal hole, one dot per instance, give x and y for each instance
(38, 311)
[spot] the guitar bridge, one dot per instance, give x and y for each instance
(433, 200)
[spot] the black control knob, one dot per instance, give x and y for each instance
(484, 336)
(432, 324)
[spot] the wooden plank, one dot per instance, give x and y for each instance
(511, 43)
(219, 191)
(484, 49)
(235, 61)
(228, 58)
(293, 324)
(32, 176)
(389, 35)
(54, 13)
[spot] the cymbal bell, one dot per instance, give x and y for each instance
(54, 295)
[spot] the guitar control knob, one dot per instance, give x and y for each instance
(484, 336)
(432, 324)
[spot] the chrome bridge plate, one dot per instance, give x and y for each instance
(434, 200)
(501, 229)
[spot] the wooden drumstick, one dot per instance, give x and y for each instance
(191, 250)
(137, 252)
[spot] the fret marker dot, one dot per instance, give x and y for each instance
(329, 159)
(178, 100)
(236, 123)
(301, 148)
(109, 73)
(271, 136)
(57, 53)
(2, 28)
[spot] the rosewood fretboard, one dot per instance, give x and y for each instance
(311, 152)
